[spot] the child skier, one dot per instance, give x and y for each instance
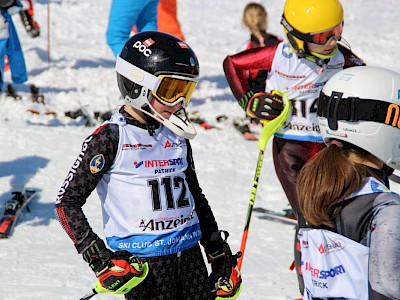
(141, 164)
(298, 66)
(343, 189)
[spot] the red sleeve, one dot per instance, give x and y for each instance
(252, 59)
(350, 59)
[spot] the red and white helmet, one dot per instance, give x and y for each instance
(361, 106)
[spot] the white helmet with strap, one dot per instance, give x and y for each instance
(361, 106)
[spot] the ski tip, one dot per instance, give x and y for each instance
(250, 136)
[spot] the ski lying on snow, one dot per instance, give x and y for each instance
(241, 125)
(246, 132)
(281, 216)
(195, 117)
(19, 200)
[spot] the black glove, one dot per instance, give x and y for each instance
(265, 106)
(225, 279)
(118, 272)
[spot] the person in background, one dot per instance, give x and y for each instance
(299, 66)
(128, 17)
(255, 18)
(168, 18)
(140, 161)
(344, 189)
(10, 46)
(126, 14)
(14, 63)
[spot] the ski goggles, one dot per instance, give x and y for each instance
(325, 37)
(173, 88)
(321, 39)
(167, 89)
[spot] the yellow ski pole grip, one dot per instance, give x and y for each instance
(270, 127)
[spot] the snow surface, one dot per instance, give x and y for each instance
(40, 261)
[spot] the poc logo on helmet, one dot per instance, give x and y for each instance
(142, 47)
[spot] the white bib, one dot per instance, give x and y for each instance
(301, 80)
(147, 205)
(333, 265)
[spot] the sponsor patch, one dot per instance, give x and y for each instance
(136, 146)
(173, 145)
(97, 163)
(144, 47)
(286, 51)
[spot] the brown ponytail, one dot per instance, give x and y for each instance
(255, 18)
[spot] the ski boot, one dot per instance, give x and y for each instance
(35, 95)
(74, 114)
(15, 203)
(12, 92)
(103, 116)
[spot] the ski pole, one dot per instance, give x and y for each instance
(48, 34)
(89, 295)
(270, 127)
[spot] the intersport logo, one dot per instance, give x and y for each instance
(156, 163)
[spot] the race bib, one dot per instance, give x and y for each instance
(333, 265)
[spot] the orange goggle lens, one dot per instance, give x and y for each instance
(322, 38)
(172, 89)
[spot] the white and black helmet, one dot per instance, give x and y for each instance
(159, 65)
(361, 106)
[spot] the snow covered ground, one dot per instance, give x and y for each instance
(39, 261)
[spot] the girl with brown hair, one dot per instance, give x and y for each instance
(350, 248)
(255, 18)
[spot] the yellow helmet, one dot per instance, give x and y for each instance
(301, 18)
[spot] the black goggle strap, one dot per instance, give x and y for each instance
(306, 37)
(353, 109)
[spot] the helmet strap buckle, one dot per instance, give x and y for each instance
(332, 110)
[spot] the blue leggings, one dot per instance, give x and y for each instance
(12, 48)
(124, 14)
